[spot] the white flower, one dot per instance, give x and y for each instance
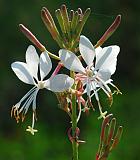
(96, 75)
(33, 72)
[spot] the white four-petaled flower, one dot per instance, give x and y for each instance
(33, 72)
(101, 64)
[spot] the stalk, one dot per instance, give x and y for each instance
(74, 124)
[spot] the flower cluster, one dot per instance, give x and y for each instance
(101, 64)
(90, 67)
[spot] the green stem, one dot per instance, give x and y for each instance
(74, 124)
(53, 56)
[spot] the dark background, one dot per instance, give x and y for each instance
(51, 142)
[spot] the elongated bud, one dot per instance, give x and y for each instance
(80, 24)
(49, 15)
(109, 31)
(105, 121)
(74, 22)
(48, 23)
(50, 18)
(71, 15)
(65, 18)
(83, 21)
(60, 20)
(80, 12)
(111, 130)
(105, 137)
(31, 37)
(117, 137)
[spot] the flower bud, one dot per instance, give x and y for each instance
(105, 121)
(49, 23)
(65, 19)
(31, 37)
(60, 20)
(117, 137)
(83, 21)
(109, 31)
(111, 130)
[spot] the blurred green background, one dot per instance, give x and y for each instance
(51, 142)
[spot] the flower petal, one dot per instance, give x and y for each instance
(87, 50)
(107, 59)
(45, 64)
(59, 83)
(32, 60)
(22, 72)
(104, 74)
(71, 61)
(98, 50)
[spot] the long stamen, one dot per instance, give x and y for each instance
(117, 89)
(104, 84)
(28, 93)
(14, 111)
(17, 109)
(105, 88)
(32, 98)
(79, 115)
(102, 114)
(27, 102)
(34, 102)
(94, 93)
(33, 120)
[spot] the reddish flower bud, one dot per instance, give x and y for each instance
(117, 137)
(109, 31)
(105, 121)
(31, 37)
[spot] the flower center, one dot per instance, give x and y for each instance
(41, 85)
(89, 73)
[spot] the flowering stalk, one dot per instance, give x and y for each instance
(100, 65)
(74, 124)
